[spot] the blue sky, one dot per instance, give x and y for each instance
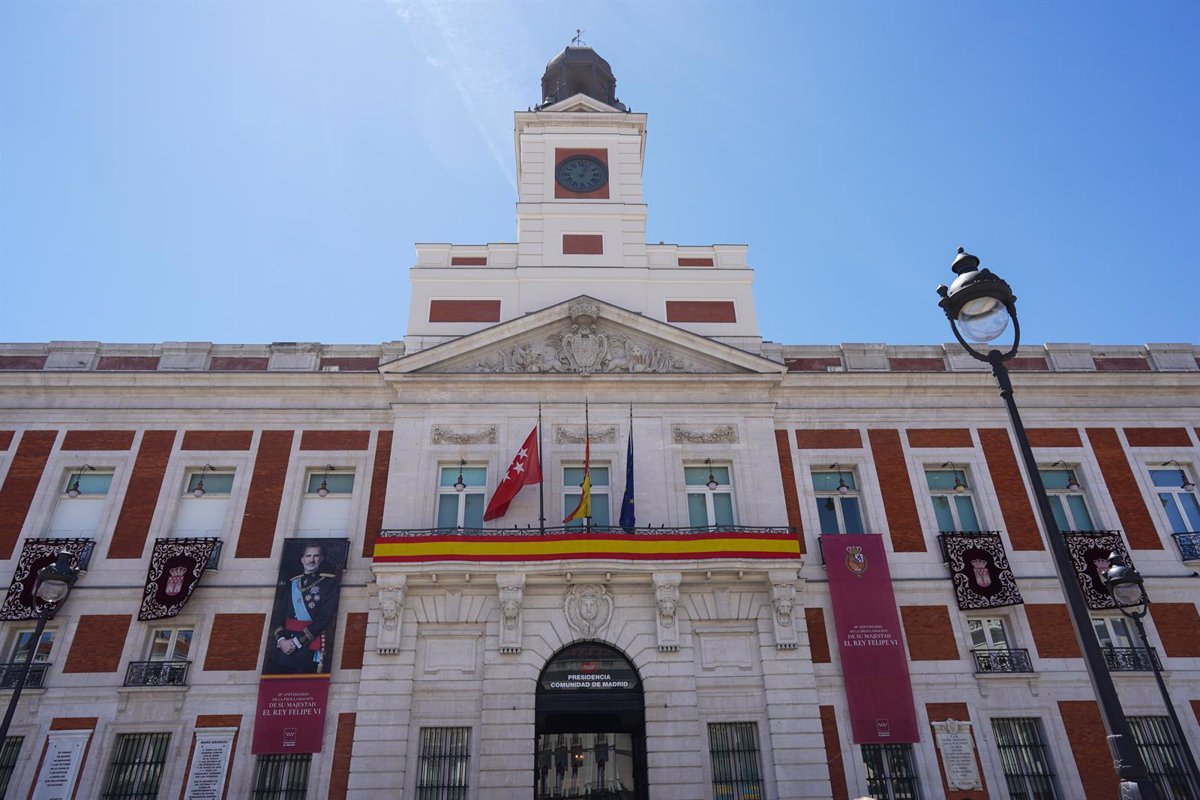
(259, 172)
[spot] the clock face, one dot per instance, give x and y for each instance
(581, 174)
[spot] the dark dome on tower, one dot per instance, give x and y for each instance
(579, 70)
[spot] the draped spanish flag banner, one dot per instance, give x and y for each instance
(874, 665)
(584, 509)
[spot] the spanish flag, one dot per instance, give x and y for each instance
(584, 509)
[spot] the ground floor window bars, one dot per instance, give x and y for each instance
(1164, 758)
(737, 772)
(137, 766)
(1023, 755)
(8, 760)
(281, 776)
(891, 773)
(445, 764)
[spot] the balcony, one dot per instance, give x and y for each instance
(157, 673)
(1189, 547)
(990, 662)
(1131, 659)
(10, 674)
(425, 545)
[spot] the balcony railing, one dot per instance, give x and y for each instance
(1131, 659)
(10, 674)
(1189, 547)
(1002, 661)
(157, 673)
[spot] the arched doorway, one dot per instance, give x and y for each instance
(591, 727)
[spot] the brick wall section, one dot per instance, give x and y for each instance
(98, 642)
(464, 310)
(335, 440)
(1158, 437)
(582, 244)
(916, 365)
(1123, 489)
(1028, 364)
(343, 747)
(1089, 746)
(354, 640)
(6, 438)
(1196, 703)
(379, 479)
(238, 364)
(939, 437)
(141, 496)
(695, 262)
(24, 475)
(217, 440)
(828, 440)
(351, 364)
(1010, 488)
(701, 311)
(219, 721)
(235, 642)
(74, 723)
(1121, 365)
(266, 491)
(1053, 634)
(812, 364)
(897, 491)
(818, 636)
(940, 712)
(1178, 627)
(1054, 437)
(22, 362)
(787, 474)
(833, 751)
(125, 363)
(929, 633)
(563, 153)
(97, 440)
(468, 261)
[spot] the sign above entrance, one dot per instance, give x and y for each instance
(592, 667)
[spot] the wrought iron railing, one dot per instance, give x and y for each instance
(157, 673)
(557, 530)
(1002, 661)
(214, 560)
(10, 674)
(1189, 545)
(1131, 659)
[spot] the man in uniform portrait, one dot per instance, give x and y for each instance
(306, 604)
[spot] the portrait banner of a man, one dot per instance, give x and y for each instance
(299, 652)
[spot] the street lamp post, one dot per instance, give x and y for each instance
(979, 305)
(1128, 591)
(53, 585)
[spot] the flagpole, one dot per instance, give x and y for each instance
(587, 441)
(542, 482)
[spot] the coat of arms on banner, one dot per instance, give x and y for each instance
(980, 572)
(175, 567)
(856, 560)
(37, 554)
(1089, 556)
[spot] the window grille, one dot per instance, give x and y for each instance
(137, 766)
(1025, 759)
(281, 776)
(445, 764)
(891, 773)
(8, 761)
(1163, 757)
(737, 773)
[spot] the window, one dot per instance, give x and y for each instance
(891, 773)
(837, 501)
(572, 479)
(463, 509)
(209, 483)
(737, 773)
(11, 672)
(1112, 631)
(137, 766)
(204, 506)
(1066, 499)
(325, 509)
(84, 490)
(708, 507)
(171, 644)
(1163, 756)
(282, 776)
(952, 503)
(166, 663)
(24, 639)
(1179, 504)
(8, 761)
(1025, 759)
(988, 633)
(444, 763)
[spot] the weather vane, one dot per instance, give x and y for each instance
(577, 41)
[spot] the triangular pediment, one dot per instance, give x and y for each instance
(583, 336)
(580, 102)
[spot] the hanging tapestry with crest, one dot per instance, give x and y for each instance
(175, 568)
(1089, 556)
(980, 572)
(36, 555)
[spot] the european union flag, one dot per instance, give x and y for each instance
(628, 520)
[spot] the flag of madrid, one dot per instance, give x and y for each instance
(526, 468)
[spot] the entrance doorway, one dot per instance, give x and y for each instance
(590, 727)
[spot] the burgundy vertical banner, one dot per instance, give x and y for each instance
(874, 666)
